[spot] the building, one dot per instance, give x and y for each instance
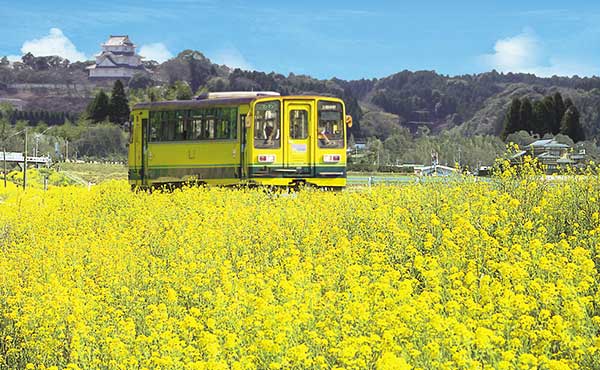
(17, 104)
(552, 154)
(117, 60)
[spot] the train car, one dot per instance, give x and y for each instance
(245, 138)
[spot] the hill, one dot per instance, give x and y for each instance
(421, 101)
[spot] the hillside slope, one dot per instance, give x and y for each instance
(469, 104)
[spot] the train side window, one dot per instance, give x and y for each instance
(196, 123)
(209, 124)
(180, 125)
(167, 124)
(233, 125)
(155, 126)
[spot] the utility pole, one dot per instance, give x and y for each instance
(4, 151)
(25, 162)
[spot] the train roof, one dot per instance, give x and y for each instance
(200, 103)
(191, 104)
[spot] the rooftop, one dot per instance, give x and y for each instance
(118, 40)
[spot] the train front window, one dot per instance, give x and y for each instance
(330, 130)
(267, 125)
(298, 124)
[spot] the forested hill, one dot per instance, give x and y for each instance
(420, 101)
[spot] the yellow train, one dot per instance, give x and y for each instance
(246, 138)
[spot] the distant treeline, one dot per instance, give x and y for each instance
(550, 115)
(37, 116)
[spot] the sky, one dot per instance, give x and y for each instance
(345, 39)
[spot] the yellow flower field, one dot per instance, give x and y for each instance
(465, 274)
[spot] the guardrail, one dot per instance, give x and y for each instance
(14, 157)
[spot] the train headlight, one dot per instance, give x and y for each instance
(266, 158)
(332, 158)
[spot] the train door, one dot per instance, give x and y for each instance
(134, 155)
(244, 156)
(144, 152)
(298, 131)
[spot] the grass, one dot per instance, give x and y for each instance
(94, 172)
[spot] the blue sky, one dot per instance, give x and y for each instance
(346, 39)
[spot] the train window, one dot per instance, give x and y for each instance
(200, 124)
(167, 124)
(196, 128)
(155, 118)
(298, 124)
(330, 130)
(180, 125)
(130, 127)
(209, 124)
(222, 124)
(267, 125)
(227, 124)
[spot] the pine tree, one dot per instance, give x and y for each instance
(526, 115)
(540, 118)
(553, 122)
(119, 106)
(568, 103)
(570, 125)
(98, 109)
(559, 106)
(511, 121)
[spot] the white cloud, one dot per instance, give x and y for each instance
(157, 51)
(55, 43)
(525, 53)
(14, 58)
(232, 58)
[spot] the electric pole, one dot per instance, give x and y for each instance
(25, 161)
(4, 151)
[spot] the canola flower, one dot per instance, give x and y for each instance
(457, 275)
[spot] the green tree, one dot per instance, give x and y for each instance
(526, 115)
(183, 91)
(541, 117)
(570, 125)
(553, 124)
(559, 106)
(118, 109)
(140, 80)
(568, 103)
(512, 120)
(102, 141)
(98, 109)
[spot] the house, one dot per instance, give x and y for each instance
(17, 104)
(552, 154)
(117, 60)
(435, 170)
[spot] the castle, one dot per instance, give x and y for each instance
(116, 60)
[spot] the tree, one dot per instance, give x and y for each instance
(140, 80)
(98, 109)
(541, 116)
(118, 109)
(568, 103)
(570, 125)
(559, 106)
(553, 124)
(182, 91)
(526, 115)
(512, 120)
